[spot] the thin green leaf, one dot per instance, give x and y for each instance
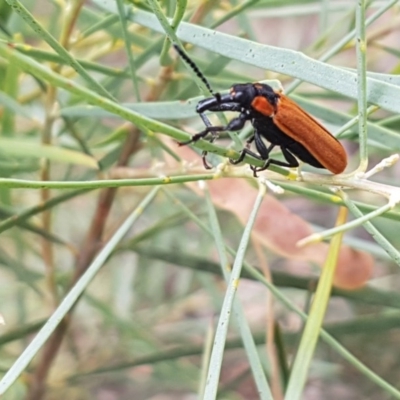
(26, 148)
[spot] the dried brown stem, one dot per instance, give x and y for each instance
(91, 246)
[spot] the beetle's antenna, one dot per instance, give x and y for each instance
(195, 68)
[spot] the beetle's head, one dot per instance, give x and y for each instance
(243, 94)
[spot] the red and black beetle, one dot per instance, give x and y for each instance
(274, 117)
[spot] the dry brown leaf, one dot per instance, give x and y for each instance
(279, 229)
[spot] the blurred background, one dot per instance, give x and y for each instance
(144, 327)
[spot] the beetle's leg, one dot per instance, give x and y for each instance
(275, 162)
(242, 154)
(214, 130)
(290, 162)
(210, 129)
(250, 140)
(245, 152)
(204, 155)
(222, 104)
(237, 123)
(205, 119)
(262, 149)
(234, 125)
(290, 158)
(218, 108)
(204, 159)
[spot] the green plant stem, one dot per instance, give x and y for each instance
(180, 8)
(241, 323)
(361, 49)
(223, 323)
(346, 39)
(127, 41)
(20, 9)
(138, 119)
(68, 302)
(371, 229)
(309, 339)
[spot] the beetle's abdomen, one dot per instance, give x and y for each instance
(313, 143)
